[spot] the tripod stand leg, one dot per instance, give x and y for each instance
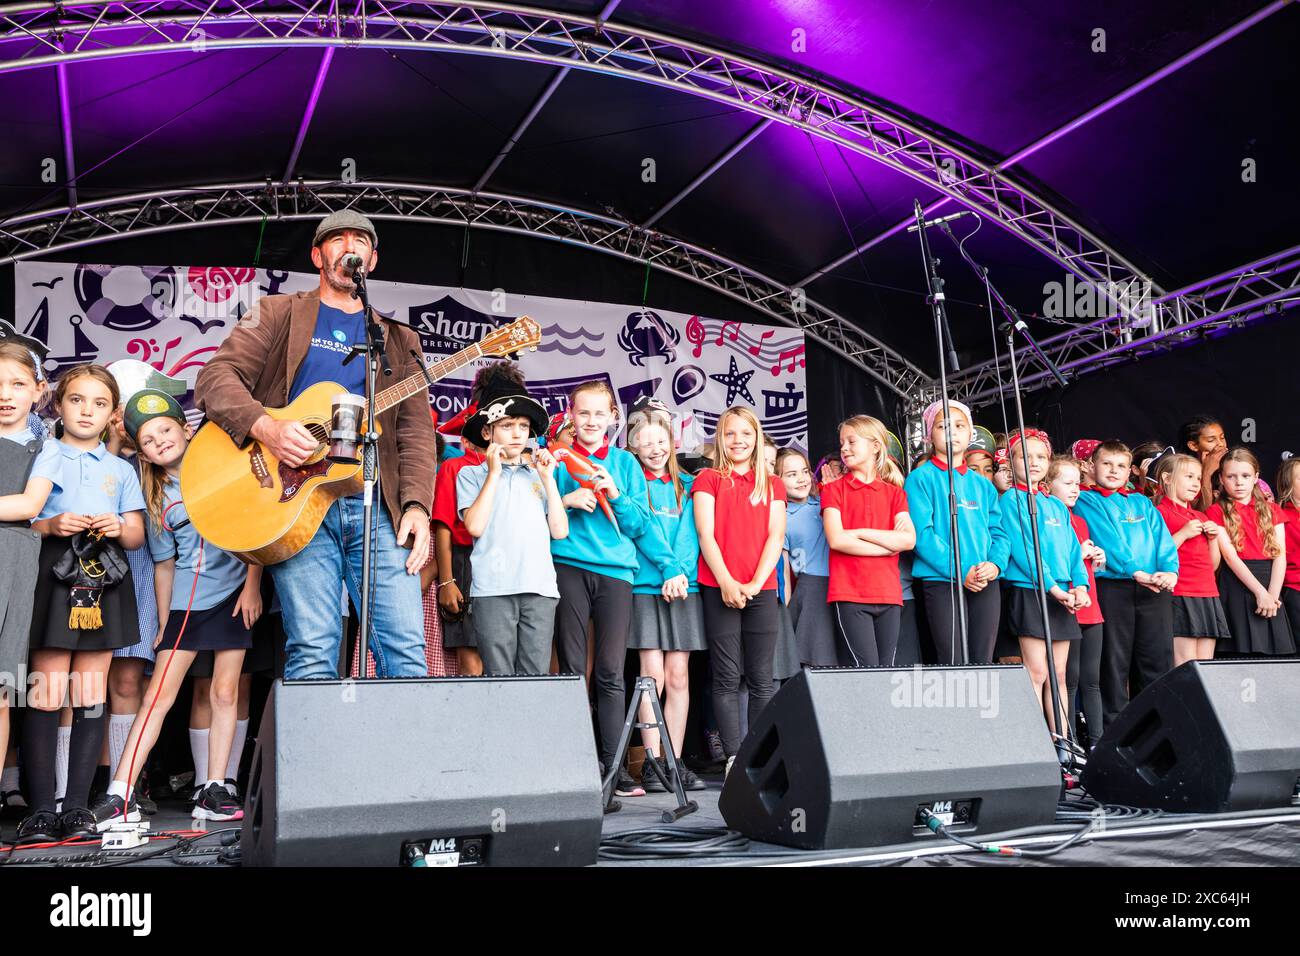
(684, 806)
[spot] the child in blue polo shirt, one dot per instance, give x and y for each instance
(207, 601)
(1062, 572)
(1135, 588)
(978, 530)
(809, 557)
(76, 624)
(512, 510)
(667, 616)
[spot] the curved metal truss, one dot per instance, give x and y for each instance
(1230, 299)
(41, 33)
(60, 230)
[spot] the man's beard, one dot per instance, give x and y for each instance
(334, 280)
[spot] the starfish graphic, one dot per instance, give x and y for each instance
(736, 382)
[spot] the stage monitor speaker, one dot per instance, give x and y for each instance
(1207, 737)
(847, 757)
(495, 771)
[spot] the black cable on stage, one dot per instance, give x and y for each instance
(660, 843)
(100, 858)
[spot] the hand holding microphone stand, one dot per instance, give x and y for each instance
(376, 358)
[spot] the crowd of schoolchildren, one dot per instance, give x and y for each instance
(555, 551)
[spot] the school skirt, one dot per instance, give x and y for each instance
(1200, 617)
(659, 625)
(146, 604)
(785, 658)
(460, 633)
(213, 629)
(20, 549)
(1252, 634)
(52, 603)
(814, 631)
(1026, 616)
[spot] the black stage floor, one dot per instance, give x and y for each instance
(1258, 838)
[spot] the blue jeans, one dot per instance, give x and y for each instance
(308, 587)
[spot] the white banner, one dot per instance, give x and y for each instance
(175, 317)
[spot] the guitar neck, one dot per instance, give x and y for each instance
(416, 384)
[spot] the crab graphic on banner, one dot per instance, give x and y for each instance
(175, 317)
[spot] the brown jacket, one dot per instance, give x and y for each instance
(255, 367)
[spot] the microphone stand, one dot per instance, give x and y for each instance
(376, 358)
(947, 353)
(1012, 323)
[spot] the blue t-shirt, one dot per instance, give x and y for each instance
(336, 332)
(219, 572)
(94, 483)
(805, 538)
(48, 464)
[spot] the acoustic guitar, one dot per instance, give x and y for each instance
(248, 502)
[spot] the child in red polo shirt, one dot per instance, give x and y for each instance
(740, 517)
(1199, 621)
(1252, 593)
(1288, 497)
(867, 525)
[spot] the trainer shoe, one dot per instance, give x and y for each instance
(110, 809)
(690, 781)
(78, 824)
(40, 827)
(625, 786)
(217, 803)
(649, 779)
(715, 746)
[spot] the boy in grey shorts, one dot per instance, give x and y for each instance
(512, 509)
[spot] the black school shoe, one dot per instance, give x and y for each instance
(40, 827)
(78, 824)
(218, 803)
(109, 809)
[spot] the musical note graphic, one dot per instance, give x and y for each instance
(758, 349)
(735, 332)
(791, 354)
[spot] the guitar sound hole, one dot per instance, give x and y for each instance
(319, 431)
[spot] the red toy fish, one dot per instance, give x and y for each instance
(584, 473)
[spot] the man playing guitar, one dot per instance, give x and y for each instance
(286, 344)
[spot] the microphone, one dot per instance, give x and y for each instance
(352, 262)
(941, 219)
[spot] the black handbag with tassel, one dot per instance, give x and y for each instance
(91, 565)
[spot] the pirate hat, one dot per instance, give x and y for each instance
(504, 399)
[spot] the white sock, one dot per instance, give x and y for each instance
(219, 783)
(119, 789)
(237, 749)
(61, 762)
(9, 779)
(119, 729)
(199, 750)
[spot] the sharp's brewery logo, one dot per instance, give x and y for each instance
(447, 326)
(78, 910)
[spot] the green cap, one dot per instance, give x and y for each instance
(149, 403)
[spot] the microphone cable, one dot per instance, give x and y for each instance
(162, 678)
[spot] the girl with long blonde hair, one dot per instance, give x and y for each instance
(867, 524)
(740, 519)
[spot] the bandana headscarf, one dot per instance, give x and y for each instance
(1084, 447)
(935, 408)
(1014, 439)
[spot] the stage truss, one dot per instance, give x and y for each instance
(40, 34)
(1231, 299)
(65, 229)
